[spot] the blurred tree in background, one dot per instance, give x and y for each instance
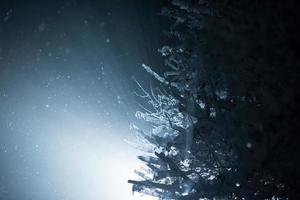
(225, 119)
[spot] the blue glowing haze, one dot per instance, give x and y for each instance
(66, 96)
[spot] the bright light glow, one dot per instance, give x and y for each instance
(95, 167)
(77, 155)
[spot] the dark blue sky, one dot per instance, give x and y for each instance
(66, 95)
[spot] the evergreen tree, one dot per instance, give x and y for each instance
(225, 118)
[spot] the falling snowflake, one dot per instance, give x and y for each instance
(42, 27)
(8, 15)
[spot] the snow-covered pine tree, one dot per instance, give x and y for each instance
(225, 117)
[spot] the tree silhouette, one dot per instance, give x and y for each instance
(225, 117)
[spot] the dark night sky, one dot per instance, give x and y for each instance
(66, 95)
